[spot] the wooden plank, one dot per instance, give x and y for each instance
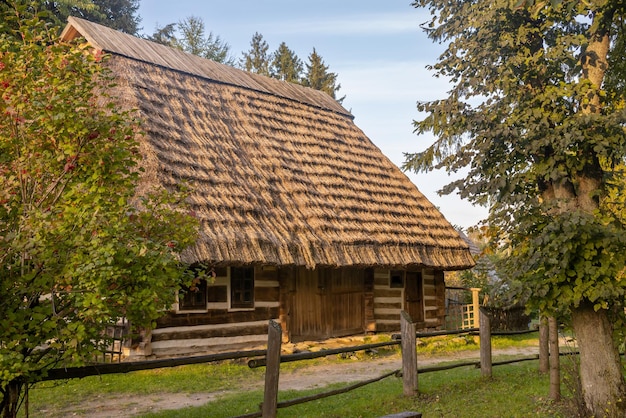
(286, 281)
(387, 326)
(227, 330)
(389, 317)
(395, 305)
(217, 294)
(172, 319)
(368, 301)
(266, 294)
(485, 342)
(409, 355)
(272, 370)
(387, 293)
(440, 287)
(430, 291)
(382, 281)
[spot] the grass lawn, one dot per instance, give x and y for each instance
(515, 390)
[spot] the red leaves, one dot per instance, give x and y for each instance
(70, 163)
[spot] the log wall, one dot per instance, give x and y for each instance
(389, 301)
(181, 332)
(218, 326)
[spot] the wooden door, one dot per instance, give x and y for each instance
(326, 303)
(305, 313)
(345, 301)
(414, 295)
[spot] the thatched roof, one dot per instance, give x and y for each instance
(279, 173)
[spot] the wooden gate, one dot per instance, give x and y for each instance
(326, 303)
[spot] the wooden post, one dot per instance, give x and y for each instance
(272, 370)
(485, 343)
(409, 355)
(555, 375)
(544, 350)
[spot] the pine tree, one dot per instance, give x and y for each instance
(189, 35)
(286, 65)
(318, 77)
(256, 59)
(164, 35)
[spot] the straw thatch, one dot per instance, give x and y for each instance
(279, 173)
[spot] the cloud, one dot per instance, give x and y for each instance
(369, 24)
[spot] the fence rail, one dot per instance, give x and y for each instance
(261, 358)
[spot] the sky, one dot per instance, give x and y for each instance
(376, 47)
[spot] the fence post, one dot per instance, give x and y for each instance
(544, 350)
(272, 370)
(409, 355)
(485, 343)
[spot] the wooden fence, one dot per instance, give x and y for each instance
(271, 359)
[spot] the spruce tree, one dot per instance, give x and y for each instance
(256, 59)
(193, 40)
(164, 35)
(189, 35)
(318, 77)
(286, 65)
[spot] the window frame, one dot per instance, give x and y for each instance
(194, 305)
(400, 279)
(241, 283)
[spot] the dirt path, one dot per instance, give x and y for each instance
(309, 377)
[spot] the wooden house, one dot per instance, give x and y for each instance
(303, 219)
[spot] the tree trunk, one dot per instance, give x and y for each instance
(11, 398)
(544, 351)
(555, 361)
(601, 378)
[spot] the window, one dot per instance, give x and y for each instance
(242, 287)
(396, 279)
(193, 298)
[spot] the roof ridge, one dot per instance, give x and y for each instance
(150, 52)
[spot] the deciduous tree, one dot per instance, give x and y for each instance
(536, 117)
(117, 14)
(79, 248)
